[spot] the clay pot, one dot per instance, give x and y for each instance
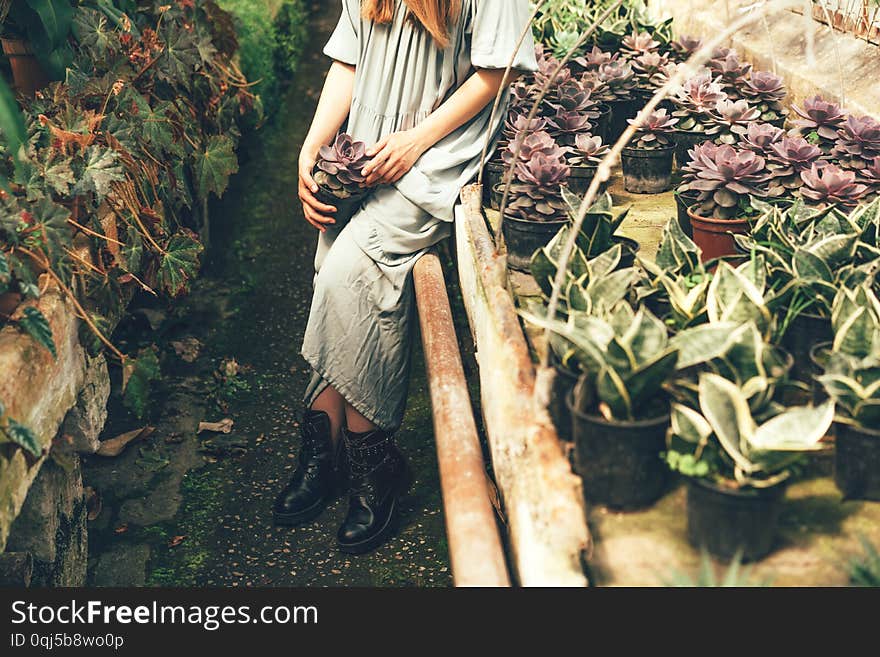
(27, 73)
(715, 236)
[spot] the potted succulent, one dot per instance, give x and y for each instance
(515, 124)
(573, 111)
(819, 122)
(858, 142)
(527, 141)
(852, 380)
(339, 176)
(536, 211)
(619, 408)
(684, 46)
(730, 72)
(766, 93)
(738, 460)
(584, 158)
(619, 78)
(830, 185)
(787, 159)
(693, 104)
(732, 119)
(725, 178)
(647, 160)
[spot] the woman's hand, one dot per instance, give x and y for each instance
(393, 156)
(314, 211)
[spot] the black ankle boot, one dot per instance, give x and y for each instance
(313, 484)
(378, 476)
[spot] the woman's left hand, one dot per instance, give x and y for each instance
(393, 156)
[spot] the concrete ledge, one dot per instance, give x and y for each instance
(784, 38)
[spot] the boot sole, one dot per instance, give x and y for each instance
(300, 517)
(390, 526)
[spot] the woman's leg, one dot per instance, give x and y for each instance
(356, 422)
(333, 404)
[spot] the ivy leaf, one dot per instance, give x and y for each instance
(180, 263)
(93, 32)
(133, 251)
(35, 324)
(206, 49)
(137, 374)
(101, 170)
(214, 166)
(180, 59)
(23, 437)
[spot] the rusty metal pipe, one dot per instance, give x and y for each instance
(475, 546)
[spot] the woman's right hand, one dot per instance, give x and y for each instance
(316, 213)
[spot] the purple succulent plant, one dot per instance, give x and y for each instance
(574, 97)
(588, 151)
(566, 125)
(858, 142)
(636, 44)
(820, 120)
(766, 92)
(646, 66)
(760, 137)
(599, 89)
(725, 177)
(340, 166)
(831, 185)
(517, 123)
(654, 132)
(694, 102)
(731, 72)
(533, 143)
(870, 175)
(786, 160)
(536, 195)
(685, 46)
(620, 78)
(593, 59)
(732, 118)
(547, 71)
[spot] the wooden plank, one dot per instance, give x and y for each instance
(475, 548)
(542, 498)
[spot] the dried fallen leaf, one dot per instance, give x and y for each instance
(177, 540)
(94, 504)
(114, 446)
(187, 349)
(121, 529)
(223, 426)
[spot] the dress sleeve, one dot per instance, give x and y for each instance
(496, 29)
(343, 44)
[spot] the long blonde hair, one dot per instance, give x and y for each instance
(436, 16)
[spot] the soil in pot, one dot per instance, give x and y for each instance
(647, 171)
(805, 332)
(683, 201)
(346, 208)
(619, 461)
(524, 237)
(27, 73)
(730, 521)
(857, 462)
(684, 141)
(715, 236)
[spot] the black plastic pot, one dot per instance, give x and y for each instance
(805, 332)
(684, 141)
(621, 111)
(647, 171)
(580, 178)
(523, 238)
(728, 521)
(346, 208)
(629, 251)
(857, 462)
(563, 384)
(493, 174)
(603, 123)
(619, 461)
(818, 359)
(495, 195)
(683, 201)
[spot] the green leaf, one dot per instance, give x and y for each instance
(180, 263)
(23, 437)
(35, 324)
(214, 166)
(138, 373)
(727, 411)
(55, 15)
(101, 170)
(5, 273)
(795, 430)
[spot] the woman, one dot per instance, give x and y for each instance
(416, 79)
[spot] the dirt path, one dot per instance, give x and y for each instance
(191, 510)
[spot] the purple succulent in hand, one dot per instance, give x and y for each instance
(654, 132)
(537, 192)
(760, 136)
(588, 151)
(685, 46)
(637, 44)
(858, 142)
(821, 118)
(732, 118)
(830, 184)
(724, 178)
(340, 165)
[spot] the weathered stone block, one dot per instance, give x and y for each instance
(86, 419)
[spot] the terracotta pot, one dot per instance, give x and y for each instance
(715, 236)
(27, 73)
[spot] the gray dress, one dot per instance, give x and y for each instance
(360, 330)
